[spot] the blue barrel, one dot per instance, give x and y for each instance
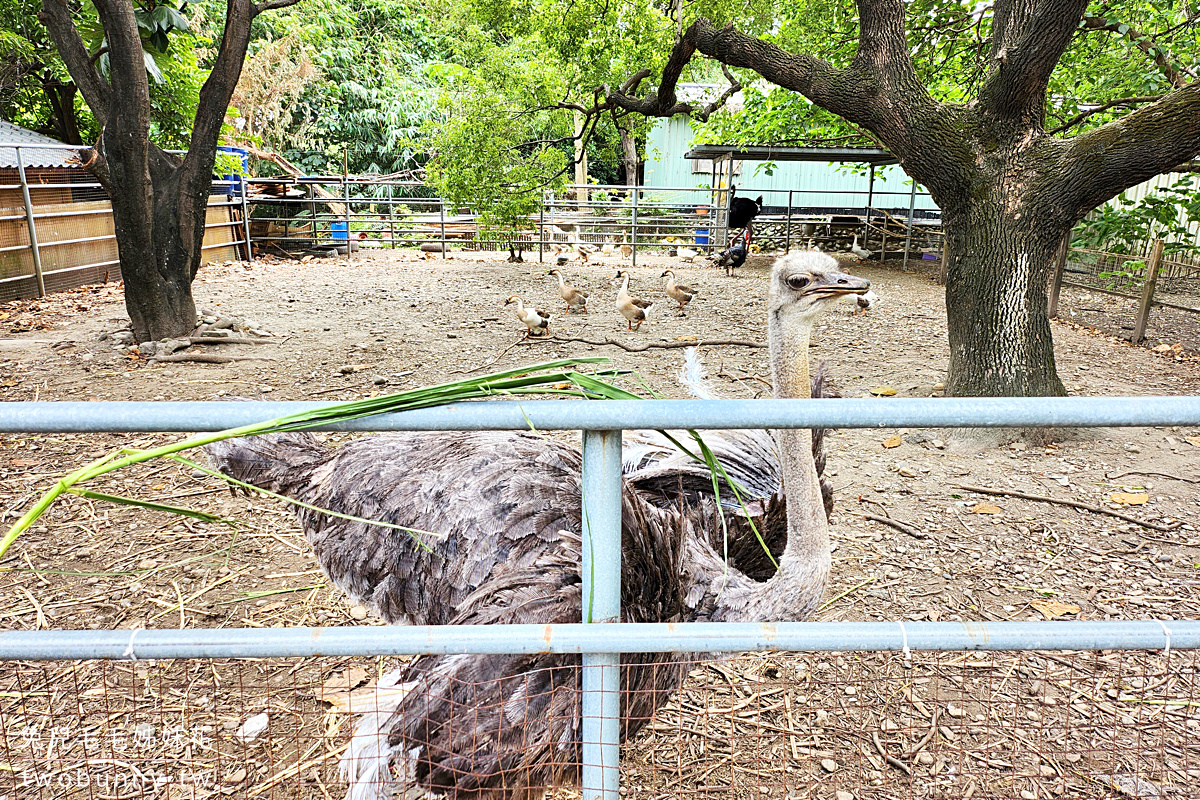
(234, 187)
(338, 230)
(702, 236)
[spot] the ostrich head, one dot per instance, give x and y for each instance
(802, 286)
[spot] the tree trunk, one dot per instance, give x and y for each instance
(157, 261)
(629, 153)
(997, 269)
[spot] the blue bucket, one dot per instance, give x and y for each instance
(338, 230)
(702, 236)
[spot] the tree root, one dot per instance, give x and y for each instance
(207, 358)
(638, 348)
(1167, 528)
(227, 340)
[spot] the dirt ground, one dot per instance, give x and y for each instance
(392, 320)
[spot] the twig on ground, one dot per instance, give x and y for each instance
(1165, 528)
(499, 356)
(900, 526)
(919, 746)
(1155, 474)
(632, 348)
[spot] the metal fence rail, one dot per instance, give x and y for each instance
(600, 639)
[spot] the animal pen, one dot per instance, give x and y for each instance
(893, 709)
(56, 225)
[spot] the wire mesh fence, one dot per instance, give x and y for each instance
(785, 725)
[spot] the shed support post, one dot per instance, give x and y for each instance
(1143, 317)
(542, 229)
(442, 221)
(391, 217)
(346, 186)
(787, 226)
(601, 571)
(870, 204)
(912, 204)
(33, 240)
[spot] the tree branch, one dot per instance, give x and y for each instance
(1123, 101)
(1159, 55)
(1029, 37)
(271, 5)
(56, 16)
(1099, 163)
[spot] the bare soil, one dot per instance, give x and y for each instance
(392, 320)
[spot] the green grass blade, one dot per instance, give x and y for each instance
(130, 501)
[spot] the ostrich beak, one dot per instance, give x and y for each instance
(835, 284)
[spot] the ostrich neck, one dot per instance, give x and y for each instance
(794, 591)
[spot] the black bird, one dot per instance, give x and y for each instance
(734, 256)
(742, 210)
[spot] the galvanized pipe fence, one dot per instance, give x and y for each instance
(599, 636)
(349, 212)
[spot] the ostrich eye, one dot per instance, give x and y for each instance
(797, 282)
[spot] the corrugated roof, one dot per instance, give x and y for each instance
(862, 155)
(31, 155)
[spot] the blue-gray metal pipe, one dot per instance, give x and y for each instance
(32, 225)
(948, 412)
(622, 637)
(601, 570)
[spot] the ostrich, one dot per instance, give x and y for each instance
(510, 726)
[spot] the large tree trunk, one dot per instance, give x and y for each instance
(1000, 340)
(157, 251)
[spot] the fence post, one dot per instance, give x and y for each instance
(870, 205)
(391, 217)
(601, 572)
(1139, 327)
(246, 215)
(33, 242)
(442, 220)
(542, 228)
(912, 204)
(1060, 264)
(787, 226)
(633, 225)
(346, 183)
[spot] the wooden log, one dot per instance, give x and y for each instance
(1143, 315)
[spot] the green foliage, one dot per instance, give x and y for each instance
(1125, 225)
(483, 159)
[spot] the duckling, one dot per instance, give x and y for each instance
(534, 318)
(608, 248)
(574, 298)
(687, 254)
(634, 309)
(677, 291)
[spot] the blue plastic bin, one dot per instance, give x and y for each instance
(235, 187)
(702, 236)
(338, 230)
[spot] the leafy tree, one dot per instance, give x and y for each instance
(966, 97)
(159, 201)
(484, 158)
(1127, 225)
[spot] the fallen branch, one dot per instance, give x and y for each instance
(649, 345)
(1167, 528)
(1155, 474)
(895, 762)
(487, 363)
(900, 526)
(208, 358)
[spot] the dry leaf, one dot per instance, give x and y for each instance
(686, 339)
(1052, 608)
(1192, 440)
(341, 683)
(986, 508)
(883, 391)
(368, 698)
(892, 441)
(1127, 499)
(561, 386)
(1163, 348)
